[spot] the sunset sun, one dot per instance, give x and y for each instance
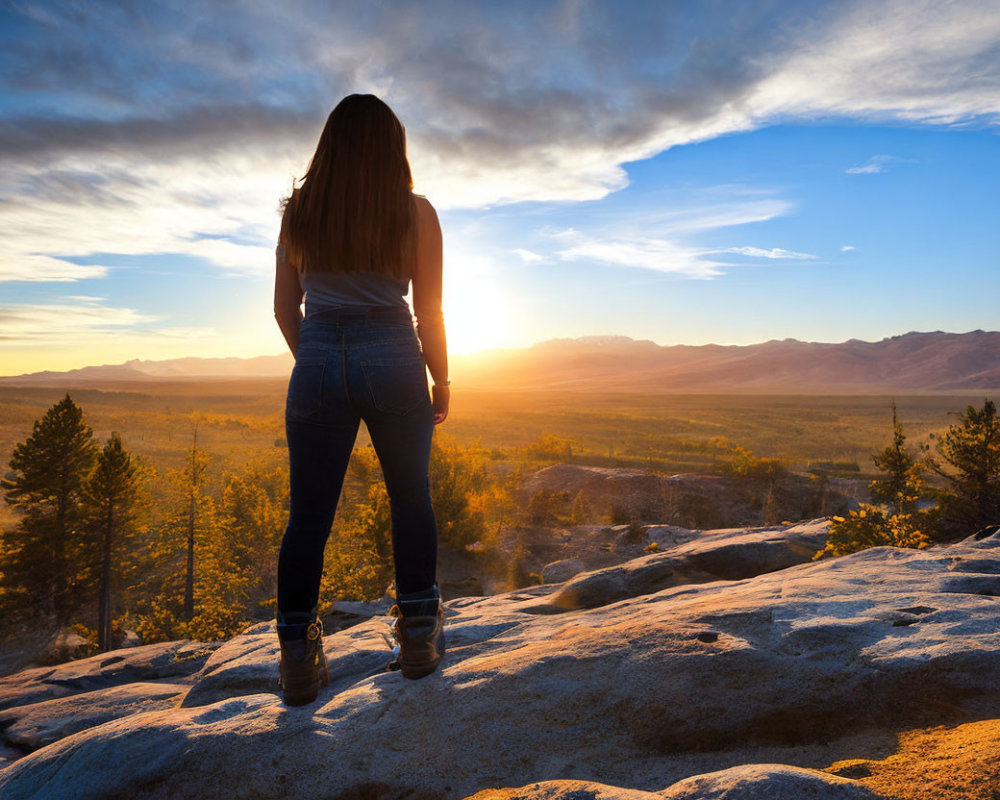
(475, 310)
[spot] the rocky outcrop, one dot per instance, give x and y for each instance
(728, 689)
(693, 500)
(146, 663)
(562, 570)
(714, 555)
(751, 782)
(35, 725)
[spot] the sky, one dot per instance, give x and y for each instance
(685, 172)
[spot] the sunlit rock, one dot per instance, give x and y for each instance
(660, 687)
(35, 725)
(116, 667)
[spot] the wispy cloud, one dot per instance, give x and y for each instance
(220, 210)
(19, 264)
(663, 255)
(660, 255)
(745, 208)
(873, 165)
(59, 323)
(526, 256)
(847, 248)
(664, 242)
(78, 321)
(772, 253)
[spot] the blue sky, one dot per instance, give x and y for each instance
(692, 173)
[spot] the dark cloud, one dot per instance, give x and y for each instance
(558, 86)
(195, 131)
(84, 188)
(471, 77)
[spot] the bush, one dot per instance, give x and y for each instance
(457, 476)
(870, 526)
(551, 448)
(742, 463)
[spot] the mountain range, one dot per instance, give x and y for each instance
(931, 362)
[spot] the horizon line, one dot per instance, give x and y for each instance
(609, 337)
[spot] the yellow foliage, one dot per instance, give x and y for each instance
(870, 526)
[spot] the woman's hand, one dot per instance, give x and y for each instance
(440, 398)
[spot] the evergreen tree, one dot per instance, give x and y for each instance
(238, 567)
(110, 495)
(894, 520)
(901, 484)
(193, 472)
(971, 451)
(39, 559)
(158, 612)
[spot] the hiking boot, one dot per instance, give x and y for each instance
(418, 627)
(303, 667)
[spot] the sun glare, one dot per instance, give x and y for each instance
(475, 312)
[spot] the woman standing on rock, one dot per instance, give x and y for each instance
(353, 236)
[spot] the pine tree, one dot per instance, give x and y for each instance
(894, 520)
(40, 555)
(195, 468)
(971, 450)
(901, 484)
(239, 566)
(160, 591)
(110, 495)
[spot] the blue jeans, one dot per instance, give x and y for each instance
(353, 365)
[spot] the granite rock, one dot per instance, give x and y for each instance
(660, 688)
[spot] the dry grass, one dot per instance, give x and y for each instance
(947, 762)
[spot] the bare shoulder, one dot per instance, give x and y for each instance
(426, 215)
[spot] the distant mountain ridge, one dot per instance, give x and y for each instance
(170, 369)
(934, 361)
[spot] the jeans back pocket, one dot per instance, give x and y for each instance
(305, 387)
(397, 385)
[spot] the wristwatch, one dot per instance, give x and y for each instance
(442, 383)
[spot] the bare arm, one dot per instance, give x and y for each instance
(287, 299)
(427, 290)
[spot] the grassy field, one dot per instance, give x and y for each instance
(239, 421)
(674, 433)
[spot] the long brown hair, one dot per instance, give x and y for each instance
(353, 211)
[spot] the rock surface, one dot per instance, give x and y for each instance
(664, 690)
(562, 570)
(725, 554)
(773, 781)
(751, 782)
(114, 668)
(35, 725)
(565, 790)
